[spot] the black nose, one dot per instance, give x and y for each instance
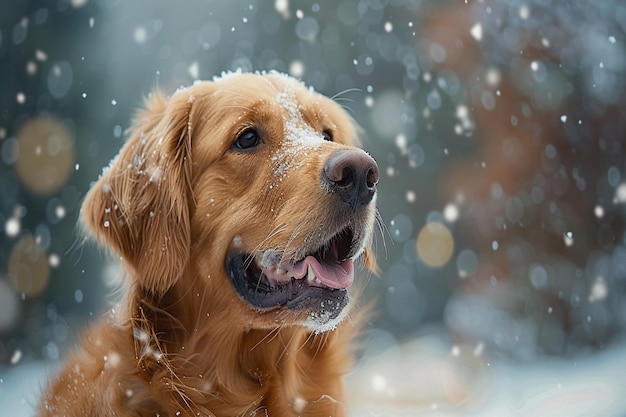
(352, 175)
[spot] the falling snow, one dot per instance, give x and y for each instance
(451, 213)
(16, 357)
(140, 35)
(12, 227)
(477, 31)
(498, 129)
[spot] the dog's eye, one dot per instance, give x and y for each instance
(327, 135)
(249, 138)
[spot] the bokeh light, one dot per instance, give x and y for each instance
(28, 268)
(435, 244)
(45, 156)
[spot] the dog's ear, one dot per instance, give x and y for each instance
(140, 205)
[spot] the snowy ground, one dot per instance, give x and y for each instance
(423, 378)
(426, 378)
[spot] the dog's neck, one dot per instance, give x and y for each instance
(235, 370)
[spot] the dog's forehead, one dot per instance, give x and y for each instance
(287, 96)
(291, 95)
(299, 137)
(297, 131)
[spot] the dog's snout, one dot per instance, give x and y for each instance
(352, 175)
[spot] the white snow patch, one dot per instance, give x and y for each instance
(282, 7)
(620, 193)
(140, 35)
(298, 138)
(524, 12)
(422, 375)
(379, 383)
(477, 31)
(299, 404)
(599, 212)
(194, 70)
(154, 173)
(321, 321)
(78, 3)
(493, 77)
(41, 56)
(16, 357)
(401, 143)
(599, 290)
(31, 68)
(12, 226)
(54, 260)
(296, 68)
(462, 113)
(568, 238)
(451, 213)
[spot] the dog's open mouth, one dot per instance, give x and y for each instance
(317, 279)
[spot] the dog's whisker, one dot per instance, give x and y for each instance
(258, 282)
(310, 340)
(268, 337)
(345, 99)
(201, 308)
(382, 228)
(338, 99)
(297, 231)
(318, 344)
(346, 91)
(288, 252)
(277, 230)
(248, 260)
(286, 347)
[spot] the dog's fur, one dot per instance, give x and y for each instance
(172, 205)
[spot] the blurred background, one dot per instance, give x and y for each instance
(499, 127)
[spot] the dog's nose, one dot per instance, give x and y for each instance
(352, 175)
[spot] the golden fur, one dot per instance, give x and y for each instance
(171, 205)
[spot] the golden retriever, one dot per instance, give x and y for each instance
(238, 208)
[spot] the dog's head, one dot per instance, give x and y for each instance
(250, 183)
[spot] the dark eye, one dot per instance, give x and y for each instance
(327, 136)
(247, 139)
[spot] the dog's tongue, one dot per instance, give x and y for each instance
(331, 274)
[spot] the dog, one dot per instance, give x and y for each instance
(239, 208)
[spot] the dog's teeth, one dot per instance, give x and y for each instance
(310, 276)
(280, 271)
(317, 281)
